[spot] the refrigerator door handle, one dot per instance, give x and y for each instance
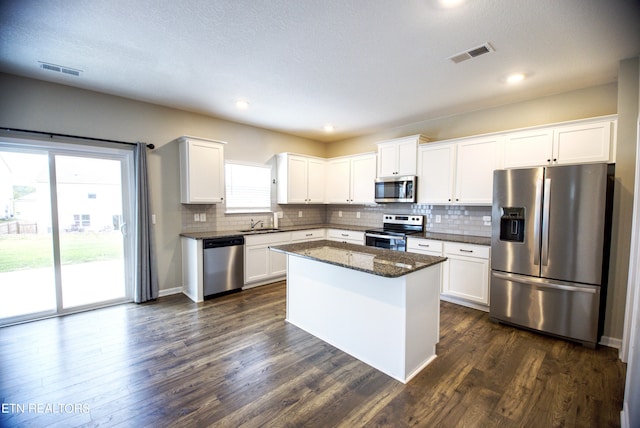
(543, 283)
(545, 221)
(536, 223)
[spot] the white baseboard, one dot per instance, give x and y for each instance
(170, 291)
(461, 302)
(624, 416)
(611, 342)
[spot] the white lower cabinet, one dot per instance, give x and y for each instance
(307, 235)
(429, 247)
(349, 236)
(262, 265)
(465, 274)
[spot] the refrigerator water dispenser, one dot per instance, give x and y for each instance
(512, 224)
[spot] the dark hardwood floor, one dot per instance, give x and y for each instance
(233, 361)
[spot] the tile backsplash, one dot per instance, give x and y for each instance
(216, 218)
(463, 220)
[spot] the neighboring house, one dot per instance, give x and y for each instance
(89, 197)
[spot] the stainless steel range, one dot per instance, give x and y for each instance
(394, 232)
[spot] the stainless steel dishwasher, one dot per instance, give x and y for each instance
(223, 264)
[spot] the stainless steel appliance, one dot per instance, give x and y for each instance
(550, 248)
(396, 189)
(394, 232)
(223, 264)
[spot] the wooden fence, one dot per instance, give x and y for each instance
(17, 228)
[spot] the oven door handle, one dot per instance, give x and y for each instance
(372, 235)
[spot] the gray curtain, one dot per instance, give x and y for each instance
(146, 276)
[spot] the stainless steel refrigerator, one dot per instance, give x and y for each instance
(550, 249)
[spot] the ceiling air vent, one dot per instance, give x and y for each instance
(472, 53)
(59, 68)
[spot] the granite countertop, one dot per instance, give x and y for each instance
(226, 233)
(376, 261)
(466, 239)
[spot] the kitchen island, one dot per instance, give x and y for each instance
(380, 306)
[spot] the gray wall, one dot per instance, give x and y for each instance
(621, 98)
(628, 109)
(41, 106)
(588, 102)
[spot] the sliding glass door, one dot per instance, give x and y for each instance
(64, 223)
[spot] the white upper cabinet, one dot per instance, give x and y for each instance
(458, 171)
(300, 179)
(585, 141)
(350, 179)
(201, 170)
(476, 159)
(436, 173)
(528, 148)
(338, 181)
(398, 157)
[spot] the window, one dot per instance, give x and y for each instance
(247, 187)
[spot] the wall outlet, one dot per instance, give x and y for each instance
(280, 214)
(299, 213)
(196, 217)
(153, 219)
(339, 213)
(486, 218)
(203, 216)
(358, 214)
(438, 218)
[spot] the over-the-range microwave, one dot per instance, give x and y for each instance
(396, 189)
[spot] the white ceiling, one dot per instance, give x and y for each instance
(362, 65)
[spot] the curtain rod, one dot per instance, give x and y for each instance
(54, 134)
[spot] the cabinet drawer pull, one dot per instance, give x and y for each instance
(466, 251)
(344, 234)
(424, 245)
(309, 234)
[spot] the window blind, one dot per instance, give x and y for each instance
(247, 187)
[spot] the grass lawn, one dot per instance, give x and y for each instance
(31, 251)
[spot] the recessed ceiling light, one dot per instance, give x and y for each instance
(329, 128)
(242, 104)
(450, 3)
(515, 78)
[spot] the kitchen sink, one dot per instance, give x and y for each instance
(261, 230)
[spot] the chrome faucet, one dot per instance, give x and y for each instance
(253, 225)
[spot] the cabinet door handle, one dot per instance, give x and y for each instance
(466, 251)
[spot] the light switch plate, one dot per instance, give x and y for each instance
(299, 213)
(358, 214)
(196, 217)
(203, 216)
(438, 218)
